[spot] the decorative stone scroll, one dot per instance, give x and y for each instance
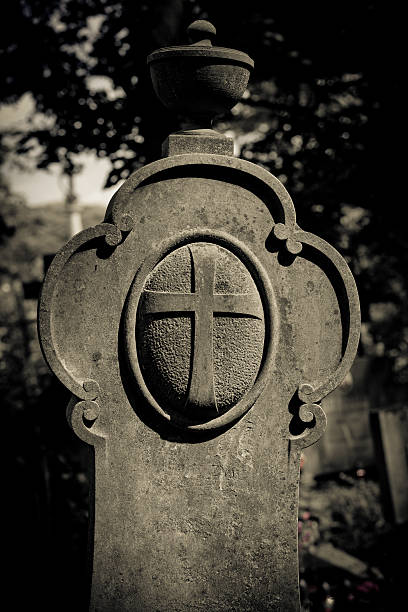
(198, 328)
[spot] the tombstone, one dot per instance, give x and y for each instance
(347, 443)
(198, 328)
(389, 427)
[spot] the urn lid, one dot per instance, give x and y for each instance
(202, 34)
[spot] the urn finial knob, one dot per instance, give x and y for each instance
(201, 33)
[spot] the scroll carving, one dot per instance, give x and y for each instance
(313, 421)
(82, 417)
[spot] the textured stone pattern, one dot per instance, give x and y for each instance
(167, 339)
(207, 142)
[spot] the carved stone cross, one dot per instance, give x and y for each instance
(198, 328)
(204, 304)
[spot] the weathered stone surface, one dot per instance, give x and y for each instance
(197, 141)
(188, 519)
(198, 327)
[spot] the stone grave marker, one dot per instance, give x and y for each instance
(198, 328)
(347, 443)
(390, 433)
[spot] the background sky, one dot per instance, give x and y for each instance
(40, 187)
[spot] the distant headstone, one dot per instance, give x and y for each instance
(198, 327)
(347, 443)
(390, 433)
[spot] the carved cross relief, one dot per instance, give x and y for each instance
(204, 304)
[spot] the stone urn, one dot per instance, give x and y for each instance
(199, 81)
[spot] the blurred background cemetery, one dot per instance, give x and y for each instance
(323, 112)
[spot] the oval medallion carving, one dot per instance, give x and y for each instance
(197, 332)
